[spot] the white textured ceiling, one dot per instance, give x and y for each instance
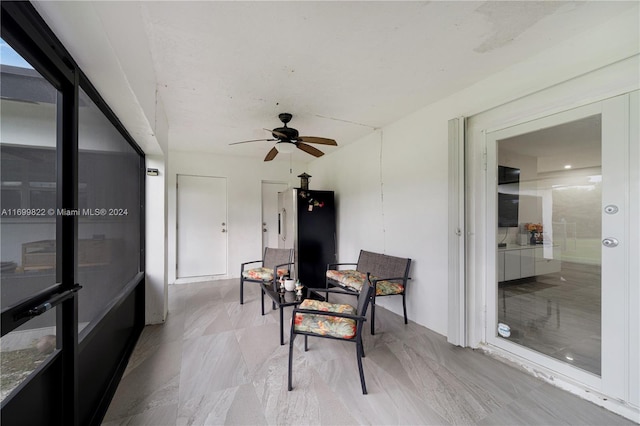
(224, 70)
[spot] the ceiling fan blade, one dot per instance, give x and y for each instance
(275, 132)
(310, 149)
(313, 139)
(271, 154)
(254, 140)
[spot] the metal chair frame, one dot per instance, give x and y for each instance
(364, 298)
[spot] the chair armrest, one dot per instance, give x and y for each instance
(283, 264)
(333, 265)
(329, 314)
(338, 290)
(388, 279)
(242, 265)
(246, 263)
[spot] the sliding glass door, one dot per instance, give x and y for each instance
(557, 202)
(38, 292)
(71, 228)
(28, 222)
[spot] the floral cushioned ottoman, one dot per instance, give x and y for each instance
(343, 328)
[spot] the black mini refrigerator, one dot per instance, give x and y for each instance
(307, 223)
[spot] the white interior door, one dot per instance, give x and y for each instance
(202, 226)
(565, 253)
(270, 213)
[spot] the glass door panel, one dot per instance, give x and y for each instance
(28, 212)
(549, 198)
(108, 212)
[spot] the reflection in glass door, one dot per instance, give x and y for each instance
(28, 219)
(549, 226)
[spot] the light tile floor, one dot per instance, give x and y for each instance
(215, 361)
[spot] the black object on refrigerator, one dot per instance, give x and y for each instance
(307, 223)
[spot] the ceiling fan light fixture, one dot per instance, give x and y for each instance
(285, 147)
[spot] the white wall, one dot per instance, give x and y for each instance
(244, 191)
(392, 185)
(402, 171)
(392, 198)
(156, 247)
(156, 224)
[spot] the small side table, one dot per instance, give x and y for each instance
(284, 299)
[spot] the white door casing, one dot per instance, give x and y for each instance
(270, 212)
(457, 307)
(201, 226)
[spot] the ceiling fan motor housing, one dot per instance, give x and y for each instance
(292, 134)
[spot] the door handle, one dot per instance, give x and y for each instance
(610, 242)
(52, 302)
(283, 217)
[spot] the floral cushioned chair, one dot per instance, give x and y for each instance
(389, 276)
(274, 259)
(332, 321)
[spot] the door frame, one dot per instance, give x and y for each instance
(457, 292)
(614, 377)
(64, 360)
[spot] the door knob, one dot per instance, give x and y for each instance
(264, 230)
(610, 242)
(224, 230)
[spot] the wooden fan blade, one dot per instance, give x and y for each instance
(310, 149)
(271, 154)
(254, 140)
(314, 139)
(282, 135)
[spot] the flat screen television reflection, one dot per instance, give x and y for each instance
(508, 196)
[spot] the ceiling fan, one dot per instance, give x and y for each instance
(287, 138)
